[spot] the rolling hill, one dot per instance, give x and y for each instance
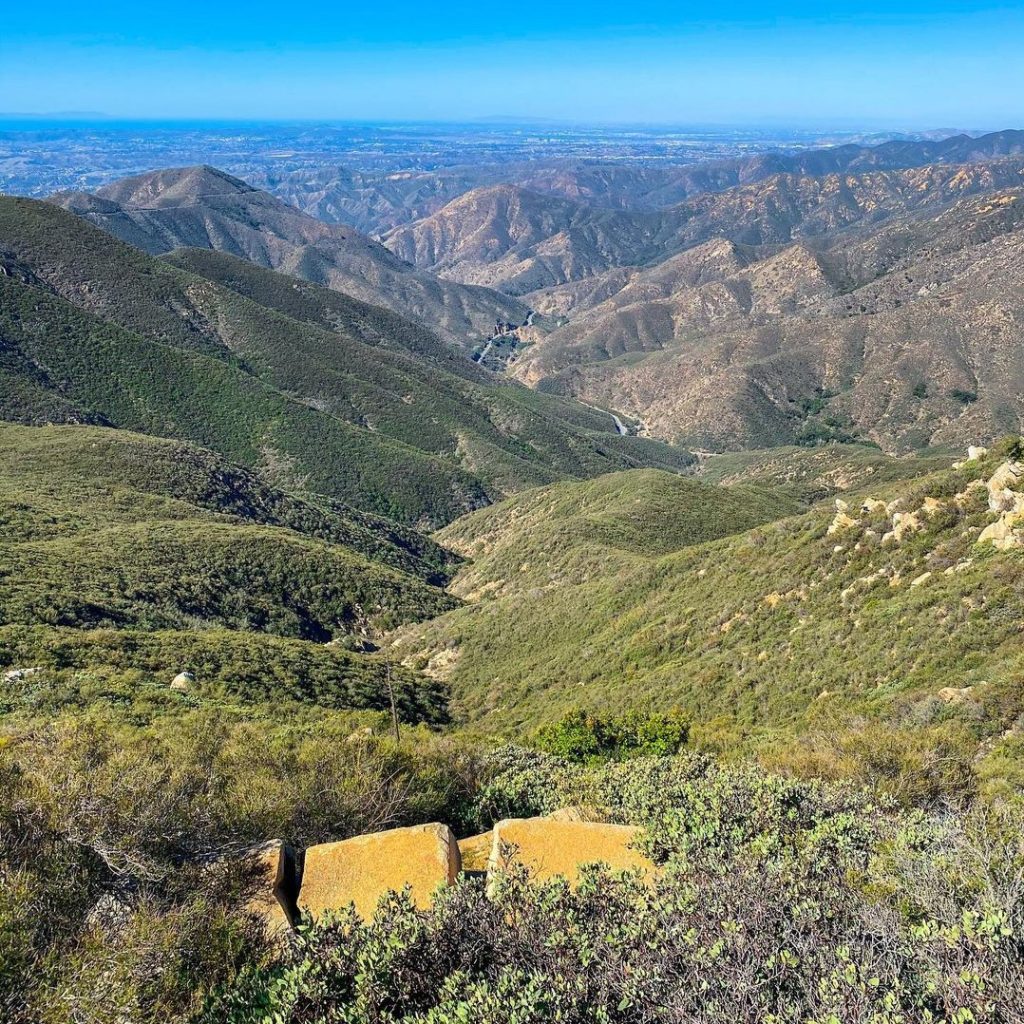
(323, 394)
(888, 607)
(572, 532)
(134, 557)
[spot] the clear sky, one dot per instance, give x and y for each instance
(940, 63)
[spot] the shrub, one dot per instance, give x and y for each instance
(583, 737)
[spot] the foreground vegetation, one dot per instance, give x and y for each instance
(779, 899)
(837, 824)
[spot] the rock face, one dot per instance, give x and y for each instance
(361, 870)
(277, 886)
(550, 847)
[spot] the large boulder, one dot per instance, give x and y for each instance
(550, 847)
(1002, 486)
(361, 870)
(1003, 533)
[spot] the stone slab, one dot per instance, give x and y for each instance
(476, 851)
(274, 864)
(362, 869)
(550, 847)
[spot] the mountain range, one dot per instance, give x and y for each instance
(319, 392)
(520, 241)
(378, 202)
(201, 207)
(851, 293)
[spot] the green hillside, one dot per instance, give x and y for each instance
(569, 532)
(126, 559)
(341, 401)
(817, 472)
(322, 307)
(60, 481)
(774, 630)
(62, 359)
(101, 529)
(76, 670)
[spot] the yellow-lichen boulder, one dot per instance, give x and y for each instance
(549, 847)
(1003, 533)
(362, 869)
(475, 851)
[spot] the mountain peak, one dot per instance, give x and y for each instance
(174, 186)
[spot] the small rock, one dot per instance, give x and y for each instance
(920, 579)
(954, 695)
(959, 567)
(842, 519)
(904, 523)
(15, 675)
(182, 682)
(577, 812)
(975, 452)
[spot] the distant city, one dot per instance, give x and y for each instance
(43, 155)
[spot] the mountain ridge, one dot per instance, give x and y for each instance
(247, 222)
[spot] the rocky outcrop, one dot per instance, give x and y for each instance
(1006, 499)
(425, 858)
(550, 847)
(842, 520)
(359, 871)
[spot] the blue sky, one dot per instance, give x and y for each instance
(913, 64)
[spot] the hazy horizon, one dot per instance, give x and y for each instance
(913, 64)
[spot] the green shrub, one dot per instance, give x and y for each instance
(583, 737)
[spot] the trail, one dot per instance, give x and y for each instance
(487, 348)
(620, 427)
